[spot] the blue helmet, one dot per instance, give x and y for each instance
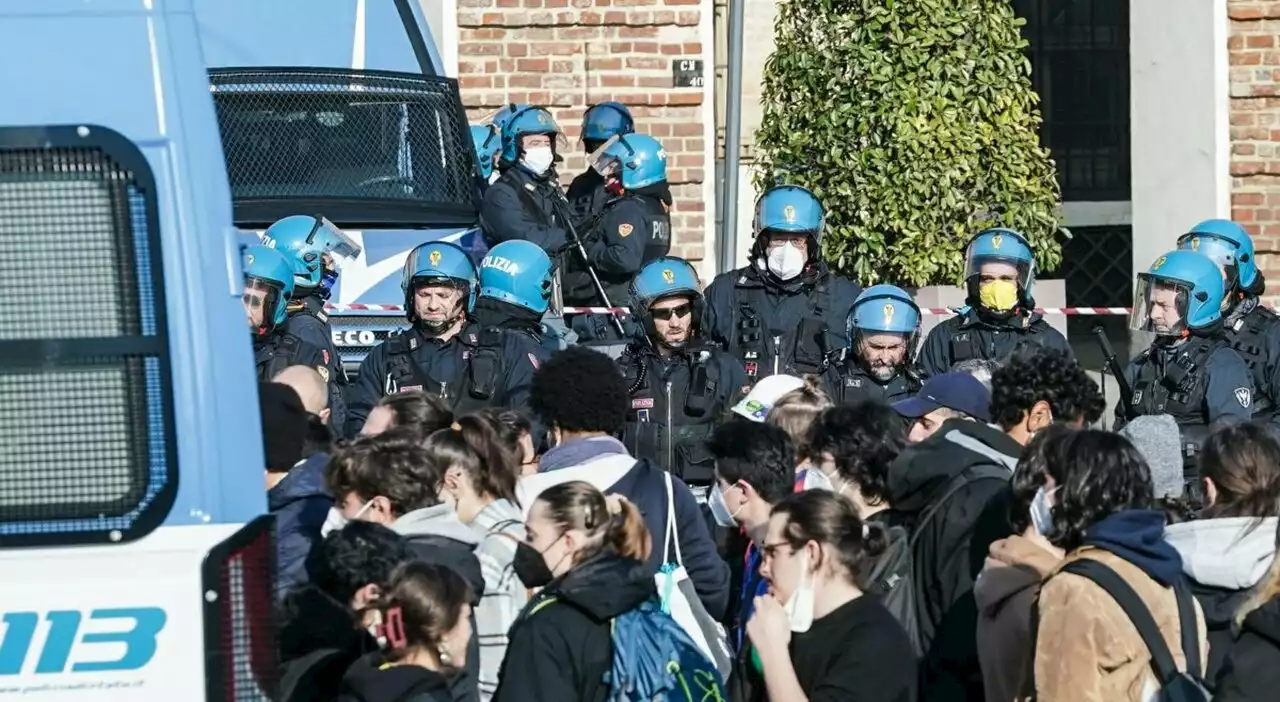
(307, 239)
(517, 272)
(529, 120)
(791, 209)
(270, 270)
(438, 262)
(1000, 246)
(638, 159)
(605, 120)
(883, 309)
(1189, 283)
(487, 142)
(501, 117)
(1230, 246)
(663, 278)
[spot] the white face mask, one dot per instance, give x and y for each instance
(1042, 512)
(817, 479)
(720, 509)
(493, 177)
(785, 261)
(538, 159)
(799, 605)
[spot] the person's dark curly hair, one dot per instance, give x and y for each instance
(1033, 469)
(760, 455)
(394, 465)
(863, 438)
(359, 554)
(581, 390)
(1048, 375)
(1097, 474)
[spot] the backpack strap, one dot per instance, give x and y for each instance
(1191, 633)
(966, 476)
(1110, 581)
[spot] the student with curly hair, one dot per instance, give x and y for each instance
(854, 445)
(1034, 389)
(581, 397)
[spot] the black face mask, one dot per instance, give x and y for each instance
(531, 567)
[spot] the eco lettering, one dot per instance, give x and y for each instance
(65, 643)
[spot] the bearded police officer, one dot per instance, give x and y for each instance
(515, 292)
(784, 313)
(883, 327)
(601, 122)
(634, 229)
(1190, 371)
(268, 283)
(1000, 316)
(318, 250)
(1252, 329)
(680, 386)
(525, 201)
(444, 352)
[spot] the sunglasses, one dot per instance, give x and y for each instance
(666, 314)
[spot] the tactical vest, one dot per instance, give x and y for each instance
(976, 340)
(579, 288)
(477, 387)
(855, 384)
(313, 306)
(1178, 390)
(1248, 336)
(669, 422)
(278, 353)
(799, 352)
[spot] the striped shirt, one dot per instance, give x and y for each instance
(500, 527)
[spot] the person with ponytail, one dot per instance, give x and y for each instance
(1227, 551)
(588, 553)
(816, 637)
(422, 625)
(480, 481)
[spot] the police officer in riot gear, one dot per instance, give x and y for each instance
(600, 123)
(681, 387)
(444, 352)
(268, 282)
(883, 327)
(999, 316)
(1252, 329)
(1190, 371)
(487, 141)
(525, 201)
(784, 313)
(317, 249)
(634, 229)
(515, 292)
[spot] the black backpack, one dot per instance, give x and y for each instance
(893, 578)
(1175, 685)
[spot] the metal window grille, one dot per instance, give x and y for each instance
(363, 147)
(86, 422)
(240, 626)
(1079, 52)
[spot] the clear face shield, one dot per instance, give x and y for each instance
(1160, 306)
(1220, 251)
(1001, 281)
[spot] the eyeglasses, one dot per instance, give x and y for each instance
(770, 551)
(665, 314)
(253, 301)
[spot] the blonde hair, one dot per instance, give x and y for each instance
(797, 410)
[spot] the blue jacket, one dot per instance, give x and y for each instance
(300, 505)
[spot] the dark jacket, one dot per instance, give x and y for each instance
(435, 535)
(1252, 670)
(971, 335)
(278, 350)
(519, 205)
(561, 649)
(319, 640)
(300, 504)
(309, 322)
(949, 552)
(369, 680)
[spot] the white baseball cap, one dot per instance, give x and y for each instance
(766, 393)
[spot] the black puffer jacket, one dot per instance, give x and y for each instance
(1251, 672)
(560, 649)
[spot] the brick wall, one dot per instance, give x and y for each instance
(569, 54)
(1254, 54)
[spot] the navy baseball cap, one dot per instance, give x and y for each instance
(956, 390)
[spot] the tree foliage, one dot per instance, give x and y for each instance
(915, 123)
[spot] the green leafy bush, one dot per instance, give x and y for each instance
(915, 123)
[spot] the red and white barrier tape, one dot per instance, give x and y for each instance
(931, 311)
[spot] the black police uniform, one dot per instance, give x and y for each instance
(1197, 382)
(847, 382)
(309, 322)
(279, 350)
(676, 403)
(634, 229)
(515, 319)
(792, 328)
(519, 205)
(971, 335)
(1254, 332)
(587, 195)
(474, 369)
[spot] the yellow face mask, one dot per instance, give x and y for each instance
(998, 295)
